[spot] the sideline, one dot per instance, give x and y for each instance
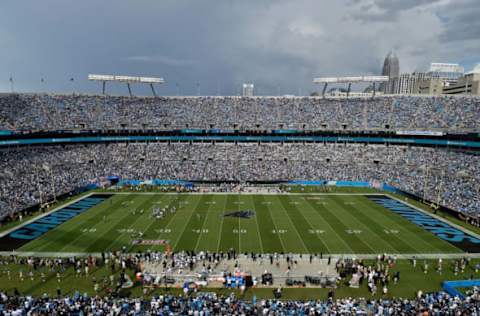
(333, 256)
(239, 193)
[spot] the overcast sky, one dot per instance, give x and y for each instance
(215, 45)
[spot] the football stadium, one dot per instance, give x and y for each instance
(332, 202)
(176, 203)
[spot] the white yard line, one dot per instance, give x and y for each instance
(209, 210)
(221, 227)
(239, 236)
(363, 240)
(293, 226)
(258, 228)
(169, 221)
(146, 214)
(175, 216)
(367, 230)
(310, 225)
(185, 227)
(80, 236)
(276, 229)
(404, 230)
(326, 222)
(239, 227)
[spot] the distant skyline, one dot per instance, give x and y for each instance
(215, 46)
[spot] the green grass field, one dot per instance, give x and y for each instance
(411, 280)
(335, 224)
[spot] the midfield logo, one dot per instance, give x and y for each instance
(241, 214)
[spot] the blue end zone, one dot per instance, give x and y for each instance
(37, 228)
(442, 230)
(451, 286)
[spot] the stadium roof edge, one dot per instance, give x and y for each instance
(236, 96)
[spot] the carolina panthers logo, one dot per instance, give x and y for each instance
(240, 214)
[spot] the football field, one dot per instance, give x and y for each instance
(290, 223)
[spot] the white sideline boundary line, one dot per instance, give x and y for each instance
(240, 193)
(334, 256)
(304, 255)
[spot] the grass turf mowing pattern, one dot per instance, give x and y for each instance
(336, 224)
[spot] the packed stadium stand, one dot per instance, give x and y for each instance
(60, 112)
(438, 174)
(449, 177)
(212, 304)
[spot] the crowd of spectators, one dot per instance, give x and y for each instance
(118, 266)
(213, 304)
(30, 175)
(61, 112)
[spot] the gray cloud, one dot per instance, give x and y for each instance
(390, 5)
(220, 44)
(166, 60)
(386, 10)
(462, 21)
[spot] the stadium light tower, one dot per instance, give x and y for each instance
(128, 80)
(349, 81)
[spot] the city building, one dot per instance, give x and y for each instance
(468, 84)
(406, 83)
(440, 76)
(448, 72)
(247, 90)
(431, 86)
(391, 68)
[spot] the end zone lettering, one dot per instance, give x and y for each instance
(29, 232)
(43, 225)
(439, 228)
